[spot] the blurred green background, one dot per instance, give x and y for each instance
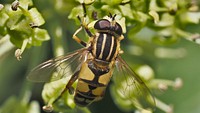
(181, 59)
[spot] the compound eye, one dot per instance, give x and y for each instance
(102, 24)
(118, 29)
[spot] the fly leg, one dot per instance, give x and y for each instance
(69, 86)
(78, 40)
(71, 81)
(83, 25)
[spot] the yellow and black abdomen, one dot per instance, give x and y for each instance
(91, 84)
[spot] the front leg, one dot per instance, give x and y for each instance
(85, 26)
(78, 40)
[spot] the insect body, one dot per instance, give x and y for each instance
(97, 70)
(93, 65)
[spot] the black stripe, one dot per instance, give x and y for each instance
(87, 95)
(91, 87)
(83, 43)
(85, 102)
(99, 44)
(93, 82)
(106, 49)
(114, 49)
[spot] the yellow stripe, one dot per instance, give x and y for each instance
(111, 49)
(103, 46)
(95, 42)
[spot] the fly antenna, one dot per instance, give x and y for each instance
(110, 15)
(113, 17)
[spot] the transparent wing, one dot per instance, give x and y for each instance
(59, 67)
(130, 86)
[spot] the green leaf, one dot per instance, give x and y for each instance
(26, 3)
(126, 10)
(155, 16)
(36, 17)
(86, 1)
(166, 20)
(40, 34)
(3, 18)
(112, 2)
(77, 11)
(191, 17)
(21, 24)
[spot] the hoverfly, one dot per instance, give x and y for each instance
(93, 65)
